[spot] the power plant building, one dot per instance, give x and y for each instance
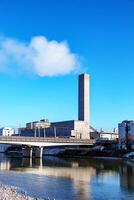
(72, 128)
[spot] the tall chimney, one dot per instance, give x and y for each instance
(83, 98)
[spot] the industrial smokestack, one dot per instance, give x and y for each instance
(83, 98)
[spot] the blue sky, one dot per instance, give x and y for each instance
(99, 38)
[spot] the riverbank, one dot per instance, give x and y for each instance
(107, 153)
(10, 193)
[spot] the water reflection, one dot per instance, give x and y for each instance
(78, 179)
(4, 163)
(127, 177)
(52, 166)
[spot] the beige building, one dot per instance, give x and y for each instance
(72, 128)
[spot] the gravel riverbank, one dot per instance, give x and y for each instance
(10, 193)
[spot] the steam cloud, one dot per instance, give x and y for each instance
(40, 56)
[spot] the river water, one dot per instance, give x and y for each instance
(70, 179)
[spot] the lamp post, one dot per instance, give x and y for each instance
(39, 131)
(35, 132)
(44, 132)
(54, 131)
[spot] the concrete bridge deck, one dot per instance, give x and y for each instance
(28, 143)
(44, 141)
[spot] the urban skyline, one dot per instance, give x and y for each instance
(98, 45)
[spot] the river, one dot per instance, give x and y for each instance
(69, 179)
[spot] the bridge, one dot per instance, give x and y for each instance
(39, 142)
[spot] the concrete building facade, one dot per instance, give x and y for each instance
(72, 128)
(83, 98)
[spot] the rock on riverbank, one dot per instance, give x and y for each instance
(10, 193)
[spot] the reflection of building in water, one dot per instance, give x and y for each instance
(4, 147)
(80, 176)
(82, 189)
(127, 177)
(76, 173)
(5, 165)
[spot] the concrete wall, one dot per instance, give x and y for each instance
(82, 127)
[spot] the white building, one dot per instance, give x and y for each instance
(126, 134)
(108, 136)
(6, 131)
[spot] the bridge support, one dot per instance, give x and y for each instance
(38, 152)
(27, 152)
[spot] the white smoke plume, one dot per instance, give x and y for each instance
(40, 56)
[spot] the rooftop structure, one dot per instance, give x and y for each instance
(43, 123)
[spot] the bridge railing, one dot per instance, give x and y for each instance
(48, 139)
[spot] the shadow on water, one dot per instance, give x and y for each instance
(70, 179)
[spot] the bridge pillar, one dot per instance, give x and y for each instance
(38, 152)
(27, 152)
